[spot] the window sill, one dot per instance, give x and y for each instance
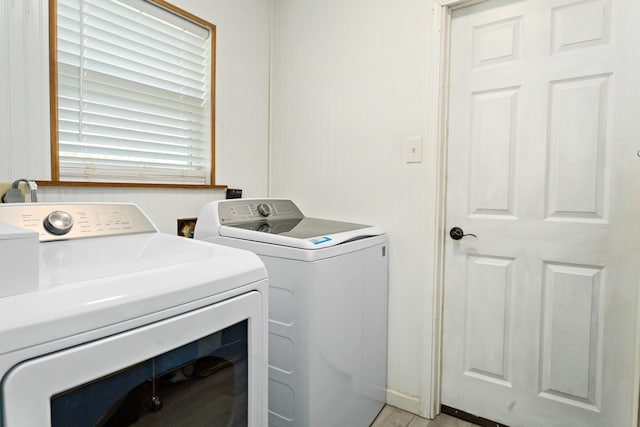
(128, 184)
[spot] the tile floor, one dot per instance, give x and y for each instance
(394, 417)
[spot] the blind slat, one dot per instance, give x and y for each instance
(128, 152)
(69, 40)
(173, 58)
(107, 89)
(172, 119)
(103, 172)
(91, 130)
(116, 19)
(113, 118)
(148, 78)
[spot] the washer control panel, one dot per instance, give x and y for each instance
(74, 221)
(235, 211)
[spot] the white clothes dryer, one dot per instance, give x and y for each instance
(327, 308)
(106, 321)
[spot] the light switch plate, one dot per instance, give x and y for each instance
(413, 149)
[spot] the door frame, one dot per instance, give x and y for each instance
(438, 121)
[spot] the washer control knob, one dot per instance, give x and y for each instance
(264, 228)
(58, 222)
(264, 209)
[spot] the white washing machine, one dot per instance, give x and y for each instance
(327, 308)
(107, 322)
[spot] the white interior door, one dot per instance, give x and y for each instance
(541, 309)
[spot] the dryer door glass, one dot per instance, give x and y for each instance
(201, 383)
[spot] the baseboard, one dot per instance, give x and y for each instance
(403, 401)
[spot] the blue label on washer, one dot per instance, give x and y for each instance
(320, 240)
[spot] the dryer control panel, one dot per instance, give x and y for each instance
(77, 220)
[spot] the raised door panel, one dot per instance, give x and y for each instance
(487, 349)
(580, 24)
(494, 123)
(578, 112)
(497, 42)
(573, 317)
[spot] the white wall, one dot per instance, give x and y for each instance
(24, 90)
(242, 107)
(349, 85)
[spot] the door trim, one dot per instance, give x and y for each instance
(437, 122)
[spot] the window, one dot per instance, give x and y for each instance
(132, 93)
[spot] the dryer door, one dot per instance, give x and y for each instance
(205, 367)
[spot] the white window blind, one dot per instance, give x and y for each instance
(134, 94)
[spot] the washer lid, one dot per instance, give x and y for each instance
(301, 236)
(304, 233)
(275, 222)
